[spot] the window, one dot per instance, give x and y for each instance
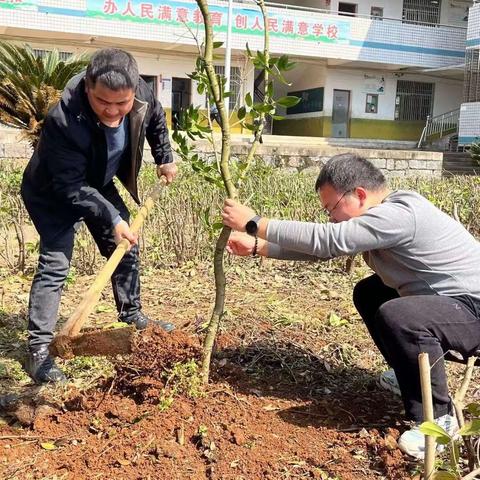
(235, 84)
(348, 9)
(376, 13)
(371, 105)
(151, 81)
(414, 100)
(471, 85)
(64, 56)
(421, 11)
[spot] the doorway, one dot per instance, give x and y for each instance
(181, 97)
(340, 113)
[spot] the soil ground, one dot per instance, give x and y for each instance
(293, 393)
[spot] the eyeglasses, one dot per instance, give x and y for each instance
(329, 212)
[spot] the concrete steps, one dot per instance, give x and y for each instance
(279, 140)
(459, 163)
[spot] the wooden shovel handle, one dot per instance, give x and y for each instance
(78, 318)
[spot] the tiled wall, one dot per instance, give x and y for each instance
(469, 128)
(386, 41)
(469, 122)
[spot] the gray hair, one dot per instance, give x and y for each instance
(114, 68)
(347, 171)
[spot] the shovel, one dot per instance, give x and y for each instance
(68, 342)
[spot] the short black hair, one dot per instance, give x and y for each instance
(348, 171)
(116, 69)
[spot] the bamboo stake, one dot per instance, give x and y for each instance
(427, 403)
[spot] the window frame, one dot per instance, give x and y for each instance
(367, 103)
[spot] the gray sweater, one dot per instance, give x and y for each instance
(413, 246)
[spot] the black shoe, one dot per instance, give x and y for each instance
(141, 321)
(41, 366)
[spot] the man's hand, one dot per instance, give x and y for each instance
(235, 215)
(240, 244)
(121, 231)
(167, 170)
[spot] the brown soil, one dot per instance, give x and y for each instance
(292, 395)
(242, 428)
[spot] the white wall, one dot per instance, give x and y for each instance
(165, 66)
(453, 12)
(447, 93)
(303, 77)
(448, 96)
(354, 81)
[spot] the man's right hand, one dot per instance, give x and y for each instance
(121, 231)
(242, 244)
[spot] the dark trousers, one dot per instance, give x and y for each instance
(403, 327)
(53, 267)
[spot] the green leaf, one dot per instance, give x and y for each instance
(282, 78)
(248, 99)
(263, 107)
(261, 58)
(444, 476)
(242, 111)
(470, 428)
(270, 89)
(474, 409)
(432, 429)
(288, 101)
(217, 44)
(201, 88)
(217, 226)
(284, 65)
(335, 321)
(250, 126)
(104, 309)
(115, 325)
(277, 117)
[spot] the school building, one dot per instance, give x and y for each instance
(370, 69)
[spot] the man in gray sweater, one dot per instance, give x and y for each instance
(425, 293)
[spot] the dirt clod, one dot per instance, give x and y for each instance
(140, 375)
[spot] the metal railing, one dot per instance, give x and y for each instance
(440, 125)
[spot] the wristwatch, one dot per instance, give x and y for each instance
(252, 225)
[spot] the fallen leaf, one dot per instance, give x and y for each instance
(48, 446)
(270, 408)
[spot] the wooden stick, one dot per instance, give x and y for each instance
(427, 403)
(459, 405)
(78, 318)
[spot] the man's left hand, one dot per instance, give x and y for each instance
(167, 170)
(235, 215)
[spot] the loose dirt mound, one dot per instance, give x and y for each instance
(140, 374)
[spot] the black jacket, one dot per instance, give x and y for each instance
(64, 178)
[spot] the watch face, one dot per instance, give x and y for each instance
(251, 227)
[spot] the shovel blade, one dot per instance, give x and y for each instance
(116, 341)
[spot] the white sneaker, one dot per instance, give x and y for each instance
(412, 441)
(388, 381)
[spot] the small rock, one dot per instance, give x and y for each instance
(25, 414)
(238, 437)
(363, 433)
(390, 442)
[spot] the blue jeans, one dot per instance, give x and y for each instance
(403, 327)
(53, 267)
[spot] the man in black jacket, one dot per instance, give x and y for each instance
(96, 132)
